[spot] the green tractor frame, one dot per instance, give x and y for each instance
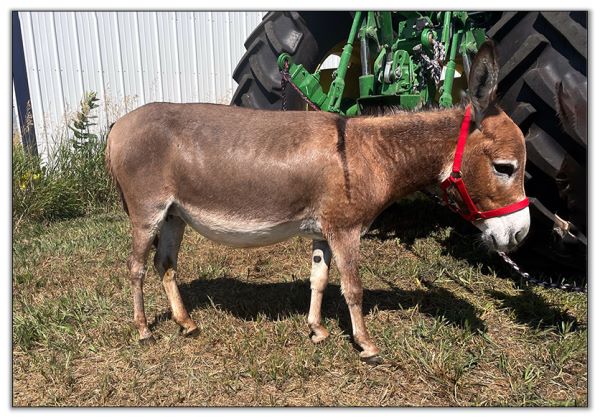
(414, 60)
(393, 63)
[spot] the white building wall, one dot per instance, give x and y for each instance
(15, 114)
(128, 58)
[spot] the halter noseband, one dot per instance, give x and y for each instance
(455, 179)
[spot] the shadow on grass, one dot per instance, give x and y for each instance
(532, 310)
(418, 217)
(410, 219)
(275, 301)
(464, 244)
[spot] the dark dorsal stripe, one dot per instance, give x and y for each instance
(341, 149)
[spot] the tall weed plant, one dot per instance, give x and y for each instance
(73, 181)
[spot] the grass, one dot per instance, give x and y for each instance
(453, 331)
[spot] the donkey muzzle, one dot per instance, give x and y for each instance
(505, 233)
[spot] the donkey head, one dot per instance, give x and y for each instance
(493, 165)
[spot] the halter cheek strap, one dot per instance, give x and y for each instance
(455, 180)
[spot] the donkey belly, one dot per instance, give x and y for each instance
(237, 232)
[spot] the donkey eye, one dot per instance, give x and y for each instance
(505, 169)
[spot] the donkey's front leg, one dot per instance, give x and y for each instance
(319, 274)
(346, 249)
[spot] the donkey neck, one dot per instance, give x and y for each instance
(411, 150)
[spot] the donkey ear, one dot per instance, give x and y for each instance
(483, 79)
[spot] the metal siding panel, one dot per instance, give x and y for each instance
(159, 62)
(59, 118)
(77, 49)
(74, 63)
(101, 68)
(239, 34)
(185, 47)
(31, 61)
(150, 58)
(168, 56)
(205, 54)
(119, 59)
(91, 68)
(106, 56)
(16, 125)
(51, 92)
(332, 61)
(86, 48)
(125, 53)
(111, 63)
(68, 64)
(129, 58)
(201, 53)
(72, 44)
(154, 43)
(194, 55)
(175, 50)
(163, 59)
(136, 39)
(219, 29)
(253, 20)
(129, 54)
(47, 70)
(230, 64)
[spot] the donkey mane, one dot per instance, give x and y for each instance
(385, 110)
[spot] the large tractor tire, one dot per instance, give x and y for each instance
(537, 50)
(306, 36)
(543, 87)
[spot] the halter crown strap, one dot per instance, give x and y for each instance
(462, 140)
(455, 179)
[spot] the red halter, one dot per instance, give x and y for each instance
(455, 179)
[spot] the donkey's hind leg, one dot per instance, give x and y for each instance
(141, 243)
(165, 262)
(319, 274)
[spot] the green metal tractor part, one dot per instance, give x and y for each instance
(393, 65)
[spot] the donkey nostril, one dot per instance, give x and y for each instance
(494, 241)
(520, 236)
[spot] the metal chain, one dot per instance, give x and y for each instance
(285, 80)
(568, 287)
(433, 66)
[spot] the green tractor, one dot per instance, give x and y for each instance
(414, 60)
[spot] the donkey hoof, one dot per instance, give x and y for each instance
(146, 341)
(373, 360)
(191, 333)
(318, 334)
(317, 338)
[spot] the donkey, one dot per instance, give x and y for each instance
(245, 177)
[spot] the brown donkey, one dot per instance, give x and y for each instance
(247, 178)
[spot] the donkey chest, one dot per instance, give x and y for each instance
(237, 231)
